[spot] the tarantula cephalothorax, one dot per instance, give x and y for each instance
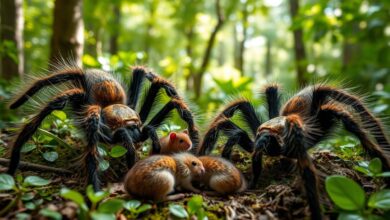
(105, 111)
(305, 120)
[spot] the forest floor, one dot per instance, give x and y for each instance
(279, 195)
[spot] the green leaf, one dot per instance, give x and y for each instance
(350, 216)
(103, 165)
(111, 206)
(194, 204)
(132, 205)
(30, 206)
(72, 195)
(380, 200)
(375, 166)
(28, 147)
(118, 151)
(384, 174)
(50, 214)
(362, 170)
(96, 197)
(143, 208)
(6, 182)
(27, 196)
(55, 137)
(102, 216)
(102, 151)
(178, 211)
(23, 216)
(35, 181)
(50, 156)
(59, 114)
(345, 193)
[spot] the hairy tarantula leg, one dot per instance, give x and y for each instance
(137, 81)
(157, 84)
(352, 126)
(273, 100)
(60, 77)
(248, 111)
(239, 137)
(150, 131)
(309, 177)
(370, 122)
(229, 128)
(297, 148)
(92, 122)
(184, 113)
(30, 128)
(257, 166)
(121, 135)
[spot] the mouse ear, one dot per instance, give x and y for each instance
(172, 136)
(185, 131)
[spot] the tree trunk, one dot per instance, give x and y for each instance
(149, 27)
(189, 50)
(207, 55)
(241, 45)
(268, 57)
(299, 47)
(68, 32)
(116, 28)
(12, 62)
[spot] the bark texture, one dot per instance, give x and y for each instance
(68, 32)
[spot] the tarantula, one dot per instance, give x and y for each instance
(306, 119)
(106, 111)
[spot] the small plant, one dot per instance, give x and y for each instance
(194, 208)
(350, 198)
(135, 208)
(100, 209)
(372, 168)
(24, 190)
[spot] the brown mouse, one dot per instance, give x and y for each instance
(158, 175)
(175, 142)
(221, 176)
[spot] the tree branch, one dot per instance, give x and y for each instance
(37, 167)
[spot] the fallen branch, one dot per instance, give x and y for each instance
(33, 166)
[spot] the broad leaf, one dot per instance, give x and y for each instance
(73, 195)
(28, 147)
(59, 114)
(6, 182)
(51, 214)
(345, 193)
(195, 204)
(35, 181)
(111, 206)
(118, 151)
(380, 200)
(143, 208)
(178, 211)
(96, 197)
(102, 216)
(50, 156)
(132, 205)
(375, 166)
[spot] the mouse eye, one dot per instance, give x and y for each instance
(194, 163)
(181, 141)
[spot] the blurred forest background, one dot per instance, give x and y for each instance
(211, 49)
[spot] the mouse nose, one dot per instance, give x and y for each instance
(189, 146)
(202, 170)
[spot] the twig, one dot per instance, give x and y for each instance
(33, 166)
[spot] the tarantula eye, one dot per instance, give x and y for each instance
(194, 163)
